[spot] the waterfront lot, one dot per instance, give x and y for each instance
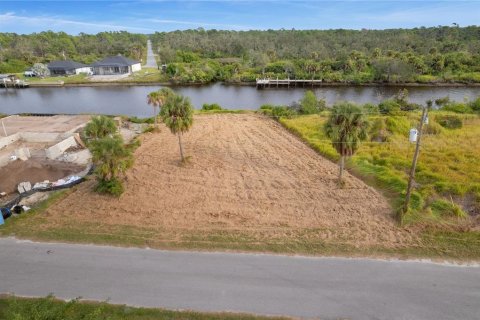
(249, 184)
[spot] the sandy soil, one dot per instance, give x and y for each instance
(246, 173)
(34, 171)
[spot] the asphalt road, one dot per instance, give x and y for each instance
(151, 62)
(325, 288)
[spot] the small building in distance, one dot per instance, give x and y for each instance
(116, 65)
(67, 68)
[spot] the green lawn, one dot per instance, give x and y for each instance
(51, 309)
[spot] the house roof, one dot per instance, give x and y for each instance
(115, 61)
(66, 65)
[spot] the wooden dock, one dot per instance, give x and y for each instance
(276, 83)
(11, 81)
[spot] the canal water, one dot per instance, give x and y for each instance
(131, 100)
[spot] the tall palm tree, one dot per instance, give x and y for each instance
(346, 127)
(177, 114)
(158, 99)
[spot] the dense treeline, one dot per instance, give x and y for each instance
(18, 52)
(439, 54)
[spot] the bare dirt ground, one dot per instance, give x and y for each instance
(246, 173)
(33, 170)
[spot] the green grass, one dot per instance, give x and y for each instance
(35, 225)
(81, 78)
(52, 309)
(146, 75)
(222, 111)
(447, 173)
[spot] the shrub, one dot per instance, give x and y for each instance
(310, 104)
(475, 105)
(457, 107)
(378, 130)
(112, 187)
(398, 125)
(449, 121)
(444, 208)
(389, 106)
(440, 102)
(213, 106)
(282, 111)
(267, 107)
(141, 120)
(433, 128)
(370, 108)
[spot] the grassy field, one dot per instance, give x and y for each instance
(447, 177)
(52, 309)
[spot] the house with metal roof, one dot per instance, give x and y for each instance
(116, 65)
(68, 67)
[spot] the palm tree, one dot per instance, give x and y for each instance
(158, 99)
(99, 127)
(177, 114)
(346, 127)
(111, 159)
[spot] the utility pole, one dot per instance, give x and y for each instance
(415, 157)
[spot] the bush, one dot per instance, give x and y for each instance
(141, 120)
(433, 128)
(444, 208)
(267, 107)
(213, 106)
(112, 187)
(378, 130)
(370, 108)
(389, 106)
(440, 102)
(475, 105)
(310, 104)
(457, 107)
(449, 121)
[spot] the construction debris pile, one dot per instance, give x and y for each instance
(39, 154)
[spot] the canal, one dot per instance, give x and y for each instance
(131, 100)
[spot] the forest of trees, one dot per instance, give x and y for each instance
(423, 55)
(19, 52)
(438, 54)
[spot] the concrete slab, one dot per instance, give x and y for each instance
(54, 124)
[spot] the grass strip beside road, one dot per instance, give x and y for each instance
(53, 309)
(34, 225)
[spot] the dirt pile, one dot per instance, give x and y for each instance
(246, 173)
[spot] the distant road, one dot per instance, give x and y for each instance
(151, 62)
(325, 288)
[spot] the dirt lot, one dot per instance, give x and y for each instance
(247, 174)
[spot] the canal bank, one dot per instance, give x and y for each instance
(131, 100)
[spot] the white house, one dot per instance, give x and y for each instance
(116, 65)
(68, 67)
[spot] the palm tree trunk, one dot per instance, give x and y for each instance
(180, 144)
(155, 116)
(340, 174)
